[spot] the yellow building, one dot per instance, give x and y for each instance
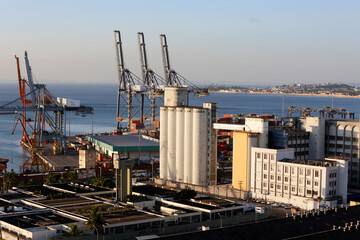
(243, 142)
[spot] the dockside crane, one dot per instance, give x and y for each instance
(172, 78)
(147, 89)
(46, 111)
(150, 78)
(129, 86)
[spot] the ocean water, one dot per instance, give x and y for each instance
(102, 98)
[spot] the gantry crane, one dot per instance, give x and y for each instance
(127, 81)
(46, 110)
(150, 87)
(172, 78)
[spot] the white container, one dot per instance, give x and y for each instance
(70, 103)
(138, 88)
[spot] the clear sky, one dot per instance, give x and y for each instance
(232, 42)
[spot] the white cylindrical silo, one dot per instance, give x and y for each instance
(200, 143)
(163, 142)
(180, 144)
(188, 141)
(171, 175)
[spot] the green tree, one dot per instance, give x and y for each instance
(50, 179)
(9, 180)
(95, 219)
(74, 230)
(72, 176)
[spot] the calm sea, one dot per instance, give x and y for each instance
(103, 99)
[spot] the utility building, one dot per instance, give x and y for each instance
(187, 140)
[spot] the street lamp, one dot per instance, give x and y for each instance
(97, 233)
(220, 220)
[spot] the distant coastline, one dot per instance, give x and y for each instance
(295, 94)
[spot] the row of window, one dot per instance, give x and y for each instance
(287, 180)
(287, 169)
(313, 193)
(266, 156)
(342, 138)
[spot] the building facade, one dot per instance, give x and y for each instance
(308, 184)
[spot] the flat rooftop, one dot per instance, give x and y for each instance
(36, 219)
(111, 214)
(14, 196)
(74, 201)
(79, 187)
(300, 228)
(318, 163)
(123, 143)
(61, 161)
(198, 205)
(153, 191)
(39, 190)
(217, 202)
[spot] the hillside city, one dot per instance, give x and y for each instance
(323, 89)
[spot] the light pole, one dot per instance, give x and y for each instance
(220, 220)
(97, 233)
(152, 170)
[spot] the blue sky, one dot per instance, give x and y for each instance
(232, 42)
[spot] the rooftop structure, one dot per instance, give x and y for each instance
(123, 144)
(328, 224)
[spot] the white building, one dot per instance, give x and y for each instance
(187, 140)
(276, 176)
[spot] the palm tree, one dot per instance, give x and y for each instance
(95, 220)
(9, 180)
(74, 230)
(72, 176)
(50, 179)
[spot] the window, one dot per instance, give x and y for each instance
(271, 185)
(308, 172)
(258, 155)
(278, 187)
(286, 179)
(286, 188)
(316, 173)
(279, 178)
(292, 170)
(286, 169)
(316, 193)
(272, 177)
(316, 183)
(265, 166)
(293, 189)
(308, 192)
(272, 157)
(265, 176)
(279, 169)
(265, 156)
(264, 185)
(272, 167)
(301, 171)
(308, 182)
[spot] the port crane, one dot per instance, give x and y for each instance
(150, 87)
(37, 102)
(173, 78)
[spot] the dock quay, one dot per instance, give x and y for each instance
(69, 160)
